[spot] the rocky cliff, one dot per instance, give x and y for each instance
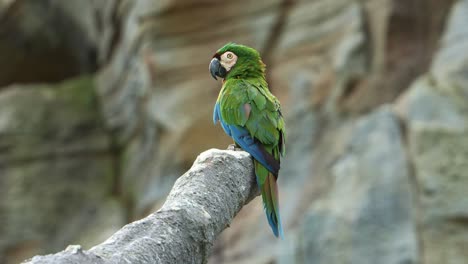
(103, 104)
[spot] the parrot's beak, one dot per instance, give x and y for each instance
(216, 69)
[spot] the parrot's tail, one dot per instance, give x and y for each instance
(267, 184)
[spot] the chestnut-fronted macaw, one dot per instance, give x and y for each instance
(251, 115)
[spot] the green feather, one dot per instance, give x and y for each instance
(245, 84)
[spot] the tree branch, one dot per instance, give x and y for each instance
(201, 204)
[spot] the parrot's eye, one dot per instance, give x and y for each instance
(228, 60)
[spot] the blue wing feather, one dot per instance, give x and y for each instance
(217, 117)
(216, 113)
(242, 137)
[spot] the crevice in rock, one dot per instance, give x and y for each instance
(41, 43)
(115, 25)
(117, 189)
(350, 87)
(415, 189)
(369, 40)
(461, 221)
(117, 170)
(412, 36)
(275, 35)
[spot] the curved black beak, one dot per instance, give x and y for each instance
(216, 69)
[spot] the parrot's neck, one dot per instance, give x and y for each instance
(248, 70)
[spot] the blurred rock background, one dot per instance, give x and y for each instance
(103, 104)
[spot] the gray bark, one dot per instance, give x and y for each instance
(201, 204)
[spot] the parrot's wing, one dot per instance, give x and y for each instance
(266, 121)
(217, 117)
(242, 137)
(250, 114)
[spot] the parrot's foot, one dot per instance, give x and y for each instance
(233, 147)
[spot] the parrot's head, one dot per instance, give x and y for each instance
(236, 61)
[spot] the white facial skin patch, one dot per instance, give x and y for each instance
(228, 60)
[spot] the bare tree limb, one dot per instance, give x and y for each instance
(201, 204)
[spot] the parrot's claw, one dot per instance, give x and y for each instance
(233, 147)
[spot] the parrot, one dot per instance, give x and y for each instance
(250, 114)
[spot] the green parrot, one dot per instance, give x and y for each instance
(251, 115)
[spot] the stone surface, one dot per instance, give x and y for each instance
(39, 121)
(46, 41)
(55, 165)
(368, 214)
(436, 112)
(450, 65)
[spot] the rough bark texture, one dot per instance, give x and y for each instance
(201, 204)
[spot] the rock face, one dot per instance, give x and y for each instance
(45, 48)
(374, 93)
(55, 167)
(436, 114)
(370, 197)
